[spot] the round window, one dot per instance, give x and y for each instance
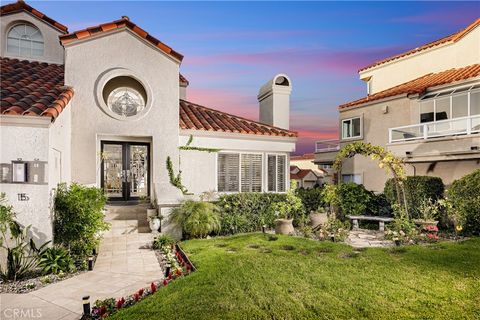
(125, 96)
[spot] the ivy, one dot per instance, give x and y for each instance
(386, 160)
(176, 179)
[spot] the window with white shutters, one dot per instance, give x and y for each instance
(228, 172)
(251, 173)
(276, 166)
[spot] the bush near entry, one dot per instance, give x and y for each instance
(312, 199)
(464, 195)
(417, 189)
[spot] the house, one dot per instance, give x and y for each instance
(77, 106)
(306, 178)
(306, 161)
(423, 105)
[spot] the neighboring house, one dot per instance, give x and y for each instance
(306, 178)
(306, 161)
(423, 105)
(78, 106)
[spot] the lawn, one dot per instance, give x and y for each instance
(250, 277)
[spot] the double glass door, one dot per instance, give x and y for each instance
(125, 170)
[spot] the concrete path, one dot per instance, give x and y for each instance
(364, 238)
(124, 265)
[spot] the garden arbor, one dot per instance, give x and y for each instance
(386, 161)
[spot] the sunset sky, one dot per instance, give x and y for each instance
(232, 48)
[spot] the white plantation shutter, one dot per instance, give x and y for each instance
(272, 172)
(276, 166)
(228, 172)
(281, 181)
(251, 170)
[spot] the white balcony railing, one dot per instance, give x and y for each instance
(428, 130)
(327, 145)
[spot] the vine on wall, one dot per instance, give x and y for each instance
(386, 159)
(176, 179)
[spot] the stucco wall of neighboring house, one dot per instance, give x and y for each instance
(464, 52)
(27, 138)
(53, 51)
(375, 131)
(85, 64)
(199, 168)
(447, 170)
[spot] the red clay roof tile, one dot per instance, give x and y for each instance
(197, 117)
(421, 84)
(22, 6)
(302, 173)
(118, 24)
(451, 38)
(32, 88)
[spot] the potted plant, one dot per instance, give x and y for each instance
(429, 210)
(318, 217)
(154, 222)
(285, 210)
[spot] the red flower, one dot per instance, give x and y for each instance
(170, 274)
(153, 287)
(103, 310)
(136, 296)
(120, 303)
(165, 282)
(188, 267)
(140, 292)
(430, 236)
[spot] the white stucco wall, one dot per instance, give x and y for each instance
(464, 52)
(85, 63)
(27, 138)
(53, 51)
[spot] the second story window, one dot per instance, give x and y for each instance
(351, 128)
(25, 40)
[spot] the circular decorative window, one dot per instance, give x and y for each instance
(125, 101)
(124, 97)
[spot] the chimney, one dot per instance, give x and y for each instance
(183, 84)
(274, 100)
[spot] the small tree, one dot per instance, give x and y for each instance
(78, 219)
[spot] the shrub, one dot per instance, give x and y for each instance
(334, 228)
(312, 199)
(55, 260)
(464, 195)
(197, 218)
(291, 207)
(247, 212)
(378, 205)
(163, 241)
(78, 218)
(417, 189)
(353, 198)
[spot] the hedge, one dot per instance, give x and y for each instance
(247, 212)
(312, 199)
(417, 188)
(464, 195)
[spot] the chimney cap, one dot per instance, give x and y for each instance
(279, 82)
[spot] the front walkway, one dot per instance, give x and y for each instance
(123, 266)
(363, 238)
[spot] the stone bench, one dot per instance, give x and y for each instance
(381, 221)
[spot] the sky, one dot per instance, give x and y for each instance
(232, 48)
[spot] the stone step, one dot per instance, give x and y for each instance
(125, 216)
(141, 208)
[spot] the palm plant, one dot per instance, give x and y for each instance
(197, 218)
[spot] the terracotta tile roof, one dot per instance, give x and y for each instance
(32, 88)
(451, 38)
(420, 85)
(306, 156)
(197, 117)
(302, 174)
(124, 22)
(183, 80)
(22, 6)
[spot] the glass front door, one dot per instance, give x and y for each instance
(125, 170)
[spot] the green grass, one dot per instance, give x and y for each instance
(250, 277)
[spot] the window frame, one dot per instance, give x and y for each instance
(342, 121)
(239, 170)
(286, 172)
(19, 54)
(353, 175)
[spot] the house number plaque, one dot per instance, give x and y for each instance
(23, 197)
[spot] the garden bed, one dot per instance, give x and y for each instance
(35, 282)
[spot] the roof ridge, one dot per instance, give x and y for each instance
(21, 5)
(416, 86)
(452, 37)
(238, 117)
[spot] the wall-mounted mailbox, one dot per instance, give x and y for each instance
(19, 171)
